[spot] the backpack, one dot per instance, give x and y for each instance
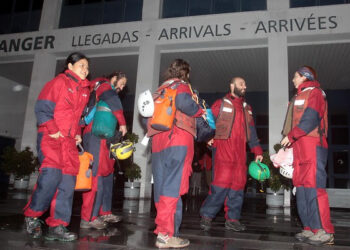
(90, 109)
(164, 107)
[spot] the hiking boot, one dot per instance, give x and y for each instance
(110, 218)
(98, 223)
(304, 235)
(164, 241)
(33, 226)
(235, 226)
(60, 233)
(321, 238)
(205, 223)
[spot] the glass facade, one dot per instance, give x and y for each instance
(308, 3)
(77, 13)
(180, 8)
(20, 15)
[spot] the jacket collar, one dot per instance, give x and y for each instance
(308, 84)
(71, 75)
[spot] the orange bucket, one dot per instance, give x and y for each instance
(84, 177)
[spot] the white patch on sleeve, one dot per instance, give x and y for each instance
(225, 109)
(299, 102)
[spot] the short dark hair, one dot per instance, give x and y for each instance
(118, 74)
(179, 68)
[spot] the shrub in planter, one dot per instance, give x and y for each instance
(19, 163)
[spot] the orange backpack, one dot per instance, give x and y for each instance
(164, 107)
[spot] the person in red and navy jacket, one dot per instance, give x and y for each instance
(58, 111)
(172, 155)
(96, 210)
(305, 129)
(234, 128)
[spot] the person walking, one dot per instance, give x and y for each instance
(234, 128)
(58, 111)
(305, 129)
(96, 209)
(172, 155)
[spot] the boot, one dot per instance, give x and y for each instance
(60, 233)
(33, 226)
(321, 238)
(98, 223)
(235, 226)
(304, 235)
(205, 223)
(164, 241)
(110, 218)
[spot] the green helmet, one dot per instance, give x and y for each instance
(259, 171)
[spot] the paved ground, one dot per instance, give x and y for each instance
(266, 228)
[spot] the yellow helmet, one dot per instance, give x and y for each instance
(122, 150)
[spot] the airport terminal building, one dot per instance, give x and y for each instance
(263, 41)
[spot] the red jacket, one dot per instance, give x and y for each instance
(234, 148)
(60, 104)
(312, 114)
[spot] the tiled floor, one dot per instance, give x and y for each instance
(266, 228)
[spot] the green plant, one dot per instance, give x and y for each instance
(20, 163)
(132, 171)
(276, 180)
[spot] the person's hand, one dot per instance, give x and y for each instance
(210, 143)
(259, 158)
(123, 129)
(56, 135)
(78, 139)
(285, 142)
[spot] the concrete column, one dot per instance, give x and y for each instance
(50, 14)
(44, 68)
(278, 87)
(277, 4)
(147, 78)
(151, 9)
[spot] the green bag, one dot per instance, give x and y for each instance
(259, 171)
(105, 123)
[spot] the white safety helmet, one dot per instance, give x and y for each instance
(145, 104)
(287, 171)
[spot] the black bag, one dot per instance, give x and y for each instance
(204, 131)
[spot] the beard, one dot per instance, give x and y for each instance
(239, 92)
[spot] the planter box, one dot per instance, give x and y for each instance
(274, 199)
(132, 190)
(21, 184)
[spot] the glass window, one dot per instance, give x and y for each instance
(72, 2)
(37, 4)
(6, 7)
(93, 13)
(339, 119)
(22, 5)
(199, 7)
(113, 11)
(341, 183)
(71, 16)
(340, 136)
(331, 2)
(19, 22)
(263, 135)
(302, 3)
(34, 20)
(226, 6)
(133, 10)
(5, 20)
(341, 162)
(262, 120)
(173, 8)
(251, 5)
